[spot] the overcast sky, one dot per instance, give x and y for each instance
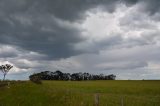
(120, 37)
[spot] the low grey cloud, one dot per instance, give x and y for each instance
(122, 66)
(7, 52)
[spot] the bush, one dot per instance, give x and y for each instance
(3, 84)
(36, 79)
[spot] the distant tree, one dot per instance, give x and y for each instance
(36, 78)
(86, 76)
(58, 75)
(66, 76)
(111, 77)
(77, 76)
(5, 69)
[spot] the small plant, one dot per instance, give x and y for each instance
(3, 83)
(35, 78)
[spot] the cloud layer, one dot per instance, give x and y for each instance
(97, 36)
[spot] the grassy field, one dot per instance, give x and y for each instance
(82, 93)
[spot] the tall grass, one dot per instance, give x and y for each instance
(82, 93)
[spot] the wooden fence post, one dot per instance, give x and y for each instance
(96, 99)
(8, 84)
(122, 101)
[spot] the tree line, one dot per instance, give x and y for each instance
(58, 75)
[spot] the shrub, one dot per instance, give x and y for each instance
(36, 79)
(3, 84)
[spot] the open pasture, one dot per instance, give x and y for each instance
(82, 93)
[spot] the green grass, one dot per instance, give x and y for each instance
(82, 93)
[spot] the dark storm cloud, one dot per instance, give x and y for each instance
(151, 6)
(64, 9)
(74, 9)
(41, 33)
(32, 25)
(39, 25)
